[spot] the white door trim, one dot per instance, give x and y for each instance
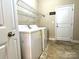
(16, 26)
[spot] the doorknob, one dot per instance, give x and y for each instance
(10, 34)
(57, 25)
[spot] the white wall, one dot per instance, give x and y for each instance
(32, 3)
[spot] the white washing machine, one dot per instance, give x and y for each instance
(31, 43)
(44, 35)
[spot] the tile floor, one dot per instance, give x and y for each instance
(61, 50)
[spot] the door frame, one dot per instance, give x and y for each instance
(61, 6)
(16, 26)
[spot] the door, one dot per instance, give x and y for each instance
(64, 22)
(8, 38)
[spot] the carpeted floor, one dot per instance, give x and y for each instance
(61, 50)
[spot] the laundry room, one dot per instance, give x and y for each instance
(39, 29)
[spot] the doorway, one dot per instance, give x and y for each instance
(64, 22)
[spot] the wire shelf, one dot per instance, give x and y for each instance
(25, 6)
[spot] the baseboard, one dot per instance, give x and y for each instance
(52, 39)
(75, 41)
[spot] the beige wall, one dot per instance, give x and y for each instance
(46, 6)
(27, 20)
